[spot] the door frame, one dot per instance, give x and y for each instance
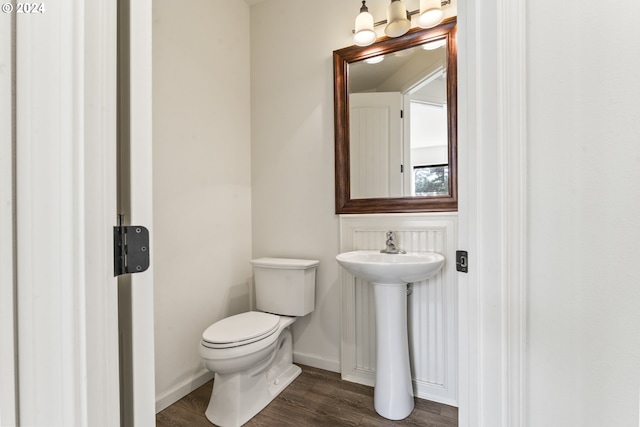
(8, 380)
(141, 208)
(65, 204)
(65, 149)
(493, 212)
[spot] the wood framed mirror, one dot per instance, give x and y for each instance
(390, 180)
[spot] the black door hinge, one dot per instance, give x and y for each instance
(462, 261)
(130, 248)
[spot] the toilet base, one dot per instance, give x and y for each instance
(225, 413)
(236, 398)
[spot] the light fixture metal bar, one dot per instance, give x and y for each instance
(410, 14)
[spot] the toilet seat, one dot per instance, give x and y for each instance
(241, 329)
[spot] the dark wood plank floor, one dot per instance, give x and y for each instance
(315, 398)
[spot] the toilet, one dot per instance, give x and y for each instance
(251, 353)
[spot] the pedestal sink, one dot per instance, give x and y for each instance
(389, 275)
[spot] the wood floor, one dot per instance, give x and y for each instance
(315, 398)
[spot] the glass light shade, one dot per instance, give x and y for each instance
(397, 22)
(364, 34)
(430, 13)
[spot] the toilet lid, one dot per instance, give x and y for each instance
(241, 328)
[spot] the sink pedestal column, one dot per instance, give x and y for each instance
(393, 392)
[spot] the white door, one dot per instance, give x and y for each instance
(375, 144)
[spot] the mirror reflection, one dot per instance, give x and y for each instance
(398, 123)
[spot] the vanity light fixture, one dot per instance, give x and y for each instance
(398, 20)
(430, 13)
(364, 34)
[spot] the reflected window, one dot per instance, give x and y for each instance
(431, 180)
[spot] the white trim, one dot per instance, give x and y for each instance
(50, 304)
(65, 176)
(316, 361)
(468, 364)
(99, 199)
(204, 375)
(8, 385)
(433, 393)
(142, 321)
(512, 75)
(185, 387)
(492, 207)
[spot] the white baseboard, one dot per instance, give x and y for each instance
(424, 393)
(421, 390)
(181, 390)
(316, 361)
(368, 380)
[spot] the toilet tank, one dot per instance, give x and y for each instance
(285, 286)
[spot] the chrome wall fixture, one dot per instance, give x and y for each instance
(398, 20)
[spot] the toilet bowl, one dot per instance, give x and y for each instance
(251, 353)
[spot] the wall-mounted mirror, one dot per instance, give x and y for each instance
(395, 123)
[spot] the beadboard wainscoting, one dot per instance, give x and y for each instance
(432, 306)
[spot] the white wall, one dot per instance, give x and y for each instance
(202, 179)
(584, 284)
(292, 150)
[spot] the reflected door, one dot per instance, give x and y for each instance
(376, 144)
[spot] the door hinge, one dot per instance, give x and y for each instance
(462, 261)
(401, 168)
(402, 114)
(130, 248)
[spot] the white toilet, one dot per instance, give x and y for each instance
(251, 353)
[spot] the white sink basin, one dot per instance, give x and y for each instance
(391, 269)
